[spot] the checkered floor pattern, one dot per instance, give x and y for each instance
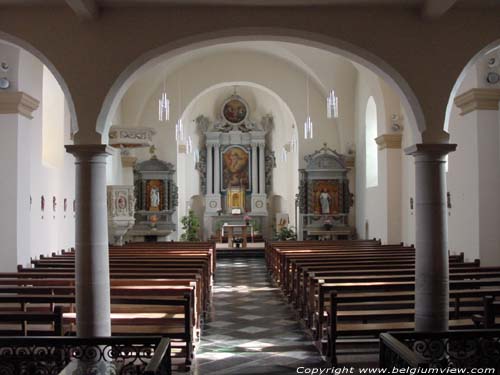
(251, 329)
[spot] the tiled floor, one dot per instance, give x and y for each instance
(251, 329)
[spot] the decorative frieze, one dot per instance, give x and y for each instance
(131, 137)
(18, 102)
(478, 99)
(392, 140)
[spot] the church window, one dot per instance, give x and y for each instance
(52, 121)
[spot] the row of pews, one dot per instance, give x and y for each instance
(157, 289)
(359, 289)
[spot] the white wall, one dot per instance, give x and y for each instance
(51, 230)
(462, 180)
(370, 202)
(26, 177)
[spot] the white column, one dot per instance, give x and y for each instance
(209, 170)
(255, 179)
(216, 170)
(431, 268)
(262, 170)
(91, 243)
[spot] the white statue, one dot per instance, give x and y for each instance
(324, 201)
(155, 198)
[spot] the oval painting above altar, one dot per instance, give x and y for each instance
(234, 110)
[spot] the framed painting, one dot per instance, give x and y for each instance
(234, 110)
(235, 162)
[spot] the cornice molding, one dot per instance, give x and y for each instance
(478, 99)
(128, 161)
(389, 141)
(18, 102)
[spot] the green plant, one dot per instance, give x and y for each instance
(286, 234)
(191, 227)
(255, 224)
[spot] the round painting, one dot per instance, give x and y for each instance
(234, 110)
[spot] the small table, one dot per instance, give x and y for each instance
(230, 233)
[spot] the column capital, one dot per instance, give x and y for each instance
(433, 150)
(89, 150)
(478, 99)
(392, 140)
(18, 102)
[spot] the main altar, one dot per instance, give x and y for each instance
(235, 166)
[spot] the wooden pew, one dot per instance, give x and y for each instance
(27, 323)
(394, 319)
(175, 322)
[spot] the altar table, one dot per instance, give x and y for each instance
(230, 232)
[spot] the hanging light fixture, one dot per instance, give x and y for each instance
(164, 105)
(179, 131)
(308, 125)
(332, 105)
(179, 127)
(293, 142)
(283, 154)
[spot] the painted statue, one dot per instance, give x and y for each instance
(325, 200)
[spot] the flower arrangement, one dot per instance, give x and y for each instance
(247, 219)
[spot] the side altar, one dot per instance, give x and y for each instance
(324, 196)
(156, 200)
(235, 166)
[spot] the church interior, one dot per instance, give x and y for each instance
(218, 187)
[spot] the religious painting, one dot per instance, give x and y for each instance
(154, 195)
(325, 196)
(235, 168)
(235, 110)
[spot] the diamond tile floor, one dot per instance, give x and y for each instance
(251, 329)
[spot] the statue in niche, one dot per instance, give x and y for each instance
(325, 197)
(324, 201)
(155, 198)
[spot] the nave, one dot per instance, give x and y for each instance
(251, 329)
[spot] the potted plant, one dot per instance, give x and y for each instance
(190, 226)
(286, 234)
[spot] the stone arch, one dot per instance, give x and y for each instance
(370, 61)
(60, 79)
